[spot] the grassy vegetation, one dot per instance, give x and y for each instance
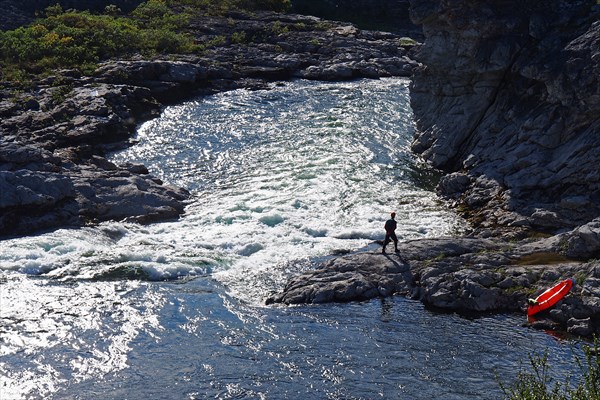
(537, 383)
(81, 39)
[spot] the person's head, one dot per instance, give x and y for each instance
(393, 215)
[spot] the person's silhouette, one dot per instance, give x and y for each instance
(390, 233)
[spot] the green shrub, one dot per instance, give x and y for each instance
(80, 39)
(222, 7)
(239, 37)
(538, 385)
(156, 14)
(277, 28)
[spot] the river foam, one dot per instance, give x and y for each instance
(277, 176)
(296, 172)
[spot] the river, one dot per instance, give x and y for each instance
(280, 179)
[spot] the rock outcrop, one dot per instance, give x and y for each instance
(53, 137)
(508, 98)
(51, 169)
(467, 275)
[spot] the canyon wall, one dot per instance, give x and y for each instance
(507, 101)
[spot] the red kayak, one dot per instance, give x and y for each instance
(550, 297)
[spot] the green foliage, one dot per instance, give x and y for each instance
(537, 384)
(580, 277)
(277, 28)
(60, 93)
(72, 39)
(407, 42)
(216, 41)
(53, 11)
(239, 37)
(80, 39)
(156, 15)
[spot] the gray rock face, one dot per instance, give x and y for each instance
(583, 243)
(509, 93)
(359, 277)
(51, 175)
(464, 275)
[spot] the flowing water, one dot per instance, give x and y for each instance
(280, 179)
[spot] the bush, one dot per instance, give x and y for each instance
(80, 39)
(221, 7)
(157, 15)
(538, 385)
(73, 39)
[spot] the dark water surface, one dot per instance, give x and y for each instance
(176, 310)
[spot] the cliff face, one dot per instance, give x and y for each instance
(508, 101)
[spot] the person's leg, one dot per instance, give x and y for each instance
(395, 239)
(385, 242)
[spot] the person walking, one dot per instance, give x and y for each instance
(390, 233)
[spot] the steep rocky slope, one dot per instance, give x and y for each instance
(508, 98)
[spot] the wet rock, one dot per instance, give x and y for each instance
(348, 278)
(545, 325)
(579, 327)
(460, 274)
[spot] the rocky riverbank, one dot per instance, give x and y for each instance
(468, 275)
(54, 135)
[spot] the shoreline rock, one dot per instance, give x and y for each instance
(464, 275)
